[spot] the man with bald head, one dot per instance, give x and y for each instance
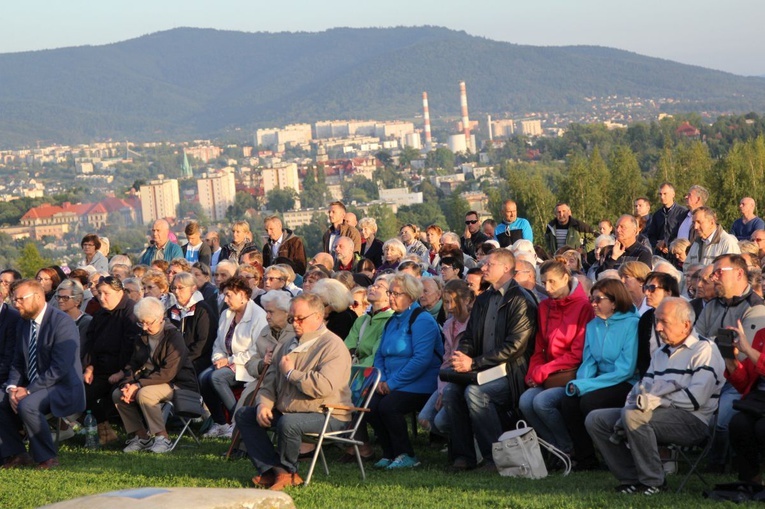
(626, 248)
(512, 227)
(748, 223)
(160, 247)
(323, 259)
(566, 230)
(345, 258)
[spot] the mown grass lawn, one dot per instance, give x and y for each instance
(84, 472)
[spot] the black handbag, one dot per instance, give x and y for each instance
(753, 404)
(187, 403)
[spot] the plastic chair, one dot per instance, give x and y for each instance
(363, 383)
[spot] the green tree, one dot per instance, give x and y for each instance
(534, 197)
(429, 191)
(440, 158)
(627, 182)
(421, 214)
(359, 189)
(584, 190)
(281, 200)
(193, 210)
(387, 223)
(407, 155)
(242, 202)
(312, 233)
(315, 193)
(31, 260)
(454, 209)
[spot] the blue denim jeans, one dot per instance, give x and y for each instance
(215, 386)
(541, 410)
(472, 410)
(439, 423)
(720, 452)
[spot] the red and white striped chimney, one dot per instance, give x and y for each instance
(426, 117)
(465, 120)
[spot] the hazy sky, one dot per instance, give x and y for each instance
(721, 35)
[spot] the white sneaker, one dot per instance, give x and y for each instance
(136, 444)
(161, 445)
(217, 431)
(229, 431)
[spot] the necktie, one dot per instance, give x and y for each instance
(32, 371)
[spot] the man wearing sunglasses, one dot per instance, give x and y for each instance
(306, 373)
(473, 236)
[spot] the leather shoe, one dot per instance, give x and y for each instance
(264, 480)
(19, 461)
(48, 464)
(286, 479)
(462, 465)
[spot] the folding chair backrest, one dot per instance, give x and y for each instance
(363, 383)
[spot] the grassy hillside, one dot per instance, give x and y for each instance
(197, 82)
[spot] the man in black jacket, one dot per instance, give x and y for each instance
(626, 248)
(473, 236)
(500, 331)
(665, 222)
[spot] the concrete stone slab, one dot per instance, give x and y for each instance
(181, 498)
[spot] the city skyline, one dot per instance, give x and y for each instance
(705, 33)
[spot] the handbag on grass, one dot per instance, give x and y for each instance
(518, 454)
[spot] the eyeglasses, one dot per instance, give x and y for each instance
(296, 319)
(651, 288)
(63, 298)
(719, 271)
(395, 294)
(146, 325)
(473, 221)
(599, 299)
(16, 300)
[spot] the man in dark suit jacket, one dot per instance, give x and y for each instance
(9, 320)
(46, 377)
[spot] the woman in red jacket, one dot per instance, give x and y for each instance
(747, 427)
(562, 320)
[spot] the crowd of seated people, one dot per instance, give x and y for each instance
(600, 333)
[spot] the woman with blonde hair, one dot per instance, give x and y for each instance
(372, 247)
(633, 275)
(155, 285)
(337, 299)
(394, 252)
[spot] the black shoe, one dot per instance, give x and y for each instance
(585, 465)
(627, 489)
(462, 465)
(650, 491)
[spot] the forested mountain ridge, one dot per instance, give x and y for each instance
(189, 82)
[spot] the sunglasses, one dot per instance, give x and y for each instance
(651, 288)
(474, 221)
(599, 299)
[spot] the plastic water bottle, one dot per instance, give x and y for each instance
(91, 431)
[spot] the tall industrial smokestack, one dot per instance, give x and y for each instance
(491, 134)
(426, 116)
(465, 120)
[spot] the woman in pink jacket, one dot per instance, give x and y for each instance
(562, 320)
